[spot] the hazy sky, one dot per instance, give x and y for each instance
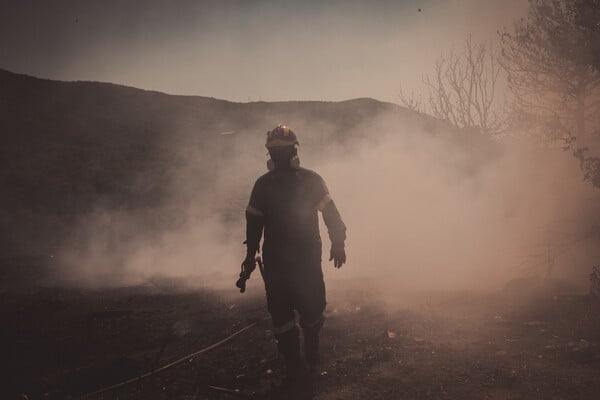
(245, 50)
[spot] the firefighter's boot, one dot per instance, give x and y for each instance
(288, 344)
(296, 384)
(311, 342)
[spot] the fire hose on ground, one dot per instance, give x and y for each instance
(176, 362)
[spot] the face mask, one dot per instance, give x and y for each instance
(294, 163)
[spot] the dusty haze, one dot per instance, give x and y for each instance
(426, 208)
(133, 132)
(447, 210)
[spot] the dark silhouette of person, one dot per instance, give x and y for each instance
(284, 204)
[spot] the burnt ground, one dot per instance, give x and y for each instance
(66, 342)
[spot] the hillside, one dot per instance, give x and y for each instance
(69, 148)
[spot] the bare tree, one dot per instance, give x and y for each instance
(548, 58)
(589, 165)
(463, 89)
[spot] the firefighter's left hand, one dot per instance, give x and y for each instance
(338, 255)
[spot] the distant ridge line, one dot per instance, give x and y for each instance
(120, 85)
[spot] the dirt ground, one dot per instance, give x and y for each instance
(65, 342)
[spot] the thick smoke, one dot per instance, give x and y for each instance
(441, 210)
(427, 214)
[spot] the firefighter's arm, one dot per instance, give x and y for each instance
(336, 230)
(255, 219)
(254, 229)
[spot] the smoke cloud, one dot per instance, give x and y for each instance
(426, 209)
(427, 214)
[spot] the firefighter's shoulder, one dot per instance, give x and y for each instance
(262, 179)
(312, 176)
(309, 174)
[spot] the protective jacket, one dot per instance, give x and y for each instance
(285, 203)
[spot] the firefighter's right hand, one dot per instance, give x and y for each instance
(249, 263)
(241, 284)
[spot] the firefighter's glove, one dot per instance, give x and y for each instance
(248, 265)
(337, 255)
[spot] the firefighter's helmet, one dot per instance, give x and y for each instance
(281, 135)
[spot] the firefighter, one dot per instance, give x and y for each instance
(284, 204)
